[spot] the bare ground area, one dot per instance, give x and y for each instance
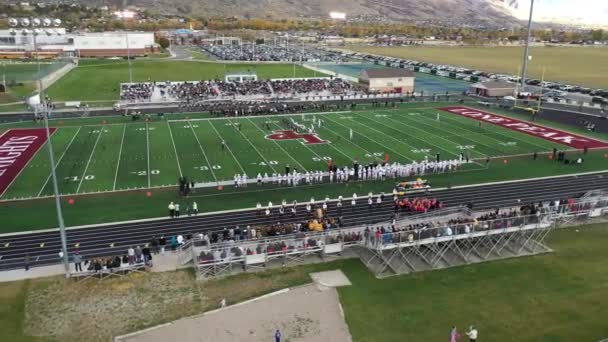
(303, 314)
(94, 310)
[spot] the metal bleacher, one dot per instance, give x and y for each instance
(438, 246)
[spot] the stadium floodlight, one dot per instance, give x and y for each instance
(31, 28)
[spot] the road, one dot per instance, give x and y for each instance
(114, 239)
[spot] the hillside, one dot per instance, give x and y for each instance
(495, 12)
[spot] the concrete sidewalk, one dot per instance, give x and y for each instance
(160, 263)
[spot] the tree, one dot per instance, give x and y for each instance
(597, 35)
(163, 42)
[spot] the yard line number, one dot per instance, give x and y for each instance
(77, 178)
(321, 158)
(421, 150)
(145, 173)
(465, 147)
(206, 168)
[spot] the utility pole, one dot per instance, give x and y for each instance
(527, 48)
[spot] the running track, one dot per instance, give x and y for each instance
(95, 241)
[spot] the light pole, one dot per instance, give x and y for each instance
(32, 27)
(129, 57)
(527, 49)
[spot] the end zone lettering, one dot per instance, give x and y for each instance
(17, 148)
(551, 134)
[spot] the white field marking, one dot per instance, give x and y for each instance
(59, 161)
(278, 145)
(119, 155)
(263, 190)
(179, 167)
(337, 149)
(255, 148)
(403, 142)
(452, 133)
(439, 147)
(264, 116)
(202, 150)
(89, 161)
(148, 151)
(438, 136)
(350, 141)
(228, 147)
(498, 131)
(386, 148)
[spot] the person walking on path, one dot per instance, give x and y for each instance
(26, 262)
(162, 243)
(171, 210)
(77, 258)
(277, 336)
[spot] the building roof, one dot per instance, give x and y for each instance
(494, 85)
(388, 73)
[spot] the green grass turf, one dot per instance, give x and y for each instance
(85, 83)
(192, 148)
(554, 297)
(559, 296)
(24, 72)
(106, 157)
(562, 64)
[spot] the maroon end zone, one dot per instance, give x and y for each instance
(17, 148)
(551, 134)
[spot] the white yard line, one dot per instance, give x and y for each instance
(59, 161)
(425, 141)
(255, 148)
(438, 136)
(228, 147)
(202, 150)
(179, 167)
(476, 142)
(386, 148)
(148, 151)
(350, 141)
(402, 142)
(89, 161)
(337, 149)
(278, 145)
(122, 140)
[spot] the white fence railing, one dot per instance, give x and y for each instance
(252, 252)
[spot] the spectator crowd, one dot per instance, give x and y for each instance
(218, 90)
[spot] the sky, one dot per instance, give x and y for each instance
(589, 11)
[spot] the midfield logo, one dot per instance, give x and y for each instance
(305, 138)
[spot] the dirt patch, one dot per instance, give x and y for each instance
(94, 310)
(305, 314)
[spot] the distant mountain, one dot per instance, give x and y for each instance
(493, 12)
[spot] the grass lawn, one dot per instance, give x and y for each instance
(100, 79)
(576, 65)
(561, 296)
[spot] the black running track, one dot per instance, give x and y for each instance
(97, 240)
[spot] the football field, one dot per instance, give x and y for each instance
(103, 156)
